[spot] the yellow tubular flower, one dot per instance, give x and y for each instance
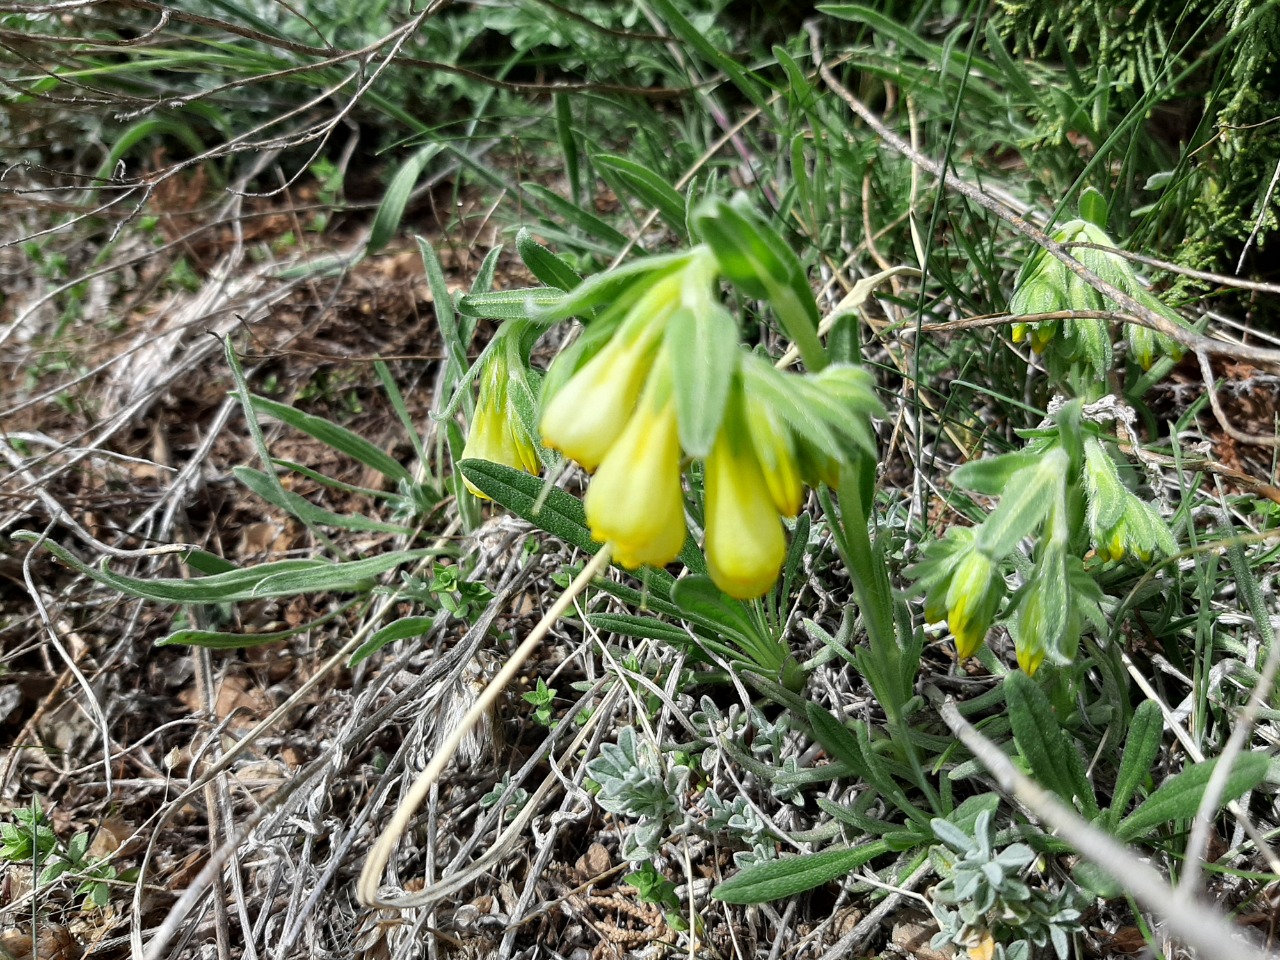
(1030, 645)
(969, 609)
(745, 543)
(634, 501)
(776, 451)
(496, 433)
(588, 414)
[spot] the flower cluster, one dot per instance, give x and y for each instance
(498, 432)
(1063, 492)
(1121, 524)
(617, 415)
(659, 382)
(963, 586)
(1047, 285)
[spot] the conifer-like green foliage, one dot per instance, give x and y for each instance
(1201, 80)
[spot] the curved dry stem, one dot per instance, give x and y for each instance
(384, 847)
(1194, 923)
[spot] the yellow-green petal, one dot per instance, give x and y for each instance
(745, 542)
(777, 454)
(588, 414)
(635, 501)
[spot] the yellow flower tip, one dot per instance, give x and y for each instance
(635, 501)
(984, 949)
(1041, 337)
(745, 542)
(1114, 548)
(968, 637)
(497, 437)
(1030, 660)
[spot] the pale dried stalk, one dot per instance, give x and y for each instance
(1195, 924)
(385, 845)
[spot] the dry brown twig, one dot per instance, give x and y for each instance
(1133, 311)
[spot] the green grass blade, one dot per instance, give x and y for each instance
(386, 221)
(268, 488)
(282, 578)
(339, 438)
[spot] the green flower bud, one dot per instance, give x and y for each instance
(973, 597)
(496, 432)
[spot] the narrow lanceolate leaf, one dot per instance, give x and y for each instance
(1178, 798)
(775, 879)
(678, 24)
(645, 628)
(340, 438)
(1024, 505)
(228, 640)
(595, 228)
(483, 281)
(528, 497)
(522, 304)
(699, 598)
(704, 352)
(401, 629)
(646, 186)
(269, 489)
(386, 221)
(1055, 762)
(280, 579)
(545, 265)
(606, 287)
(836, 739)
(1146, 730)
(451, 333)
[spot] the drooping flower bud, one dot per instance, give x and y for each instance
(745, 543)
(973, 597)
(588, 414)
(635, 501)
(497, 433)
